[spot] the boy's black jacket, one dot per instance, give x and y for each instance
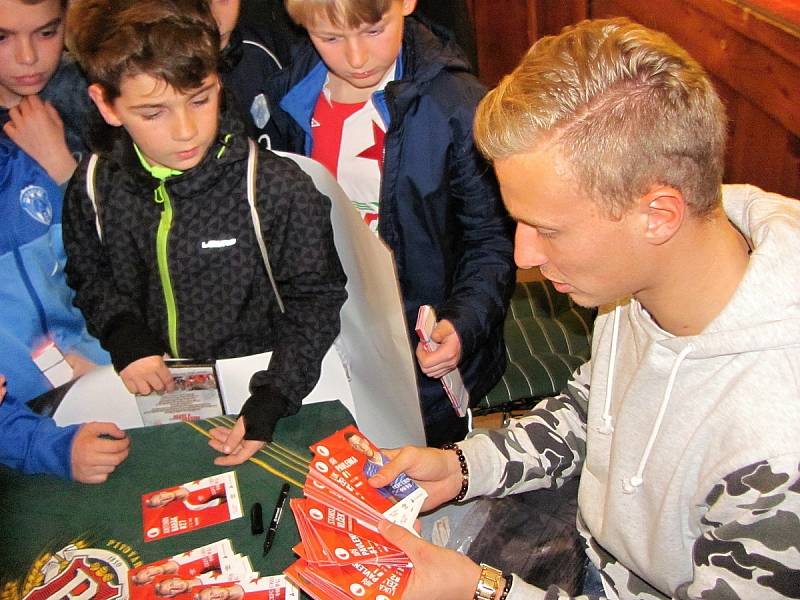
(225, 304)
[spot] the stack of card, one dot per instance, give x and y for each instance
(452, 382)
(190, 506)
(342, 555)
(210, 572)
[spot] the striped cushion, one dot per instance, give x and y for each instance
(547, 337)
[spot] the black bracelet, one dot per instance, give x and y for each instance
(462, 493)
(507, 586)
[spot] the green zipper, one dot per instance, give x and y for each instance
(162, 243)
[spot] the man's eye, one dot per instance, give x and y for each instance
(151, 116)
(200, 101)
(48, 33)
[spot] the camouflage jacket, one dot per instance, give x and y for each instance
(687, 447)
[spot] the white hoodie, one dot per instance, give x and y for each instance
(690, 454)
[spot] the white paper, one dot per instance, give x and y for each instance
(374, 341)
(100, 395)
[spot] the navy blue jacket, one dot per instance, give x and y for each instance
(440, 208)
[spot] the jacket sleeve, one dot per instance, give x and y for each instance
(485, 275)
(298, 233)
(33, 443)
(747, 547)
(111, 316)
(540, 450)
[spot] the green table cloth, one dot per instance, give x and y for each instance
(40, 515)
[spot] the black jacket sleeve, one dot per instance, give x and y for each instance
(298, 233)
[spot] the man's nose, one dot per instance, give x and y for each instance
(528, 247)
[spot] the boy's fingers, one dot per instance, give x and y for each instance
(244, 452)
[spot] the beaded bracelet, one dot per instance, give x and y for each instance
(507, 586)
(462, 493)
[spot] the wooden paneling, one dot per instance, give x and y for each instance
(751, 48)
(502, 35)
(755, 62)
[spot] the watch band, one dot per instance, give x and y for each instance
(488, 583)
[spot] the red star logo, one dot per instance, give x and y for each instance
(375, 152)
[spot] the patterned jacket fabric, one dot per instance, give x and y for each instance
(440, 207)
(225, 304)
(689, 490)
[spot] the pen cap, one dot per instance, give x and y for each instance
(256, 519)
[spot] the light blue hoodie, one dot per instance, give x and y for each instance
(35, 304)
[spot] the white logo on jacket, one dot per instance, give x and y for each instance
(218, 243)
(34, 200)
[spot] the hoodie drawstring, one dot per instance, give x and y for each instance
(607, 428)
(630, 484)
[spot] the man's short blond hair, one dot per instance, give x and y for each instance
(343, 13)
(626, 106)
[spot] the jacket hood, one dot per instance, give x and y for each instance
(764, 311)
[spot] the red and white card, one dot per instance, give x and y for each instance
(342, 464)
(191, 506)
(367, 582)
(276, 587)
(178, 576)
(342, 555)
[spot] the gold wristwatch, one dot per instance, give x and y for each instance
(488, 583)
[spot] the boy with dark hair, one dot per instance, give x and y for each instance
(182, 237)
(386, 104)
(43, 100)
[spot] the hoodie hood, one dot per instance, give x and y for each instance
(764, 312)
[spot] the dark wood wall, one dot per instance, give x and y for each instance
(751, 49)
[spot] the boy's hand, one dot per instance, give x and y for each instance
(2, 388)
(430, 563)
(146, 375)
(231, 442)
(93, 457)
(80, 365)
(436, 471)
(36, 127)
(446, 357)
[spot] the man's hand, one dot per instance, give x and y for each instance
(438, 573)
(80, 365)
(36, 127)
(2, 388)
(436, 471)
(231, 442)
(446, 357)
(146, 375)
(93, 457)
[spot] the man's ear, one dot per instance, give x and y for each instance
(408, 7)
(98, 96)
(663, 210)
